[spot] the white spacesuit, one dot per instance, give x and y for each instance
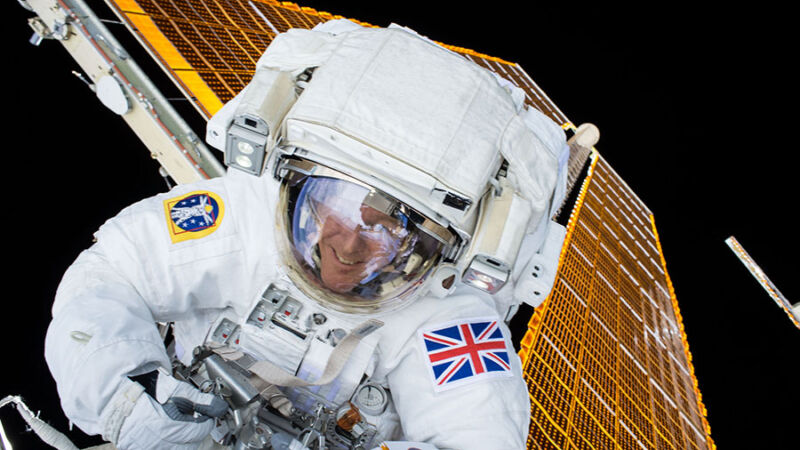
(351, 289)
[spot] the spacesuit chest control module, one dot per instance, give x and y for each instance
(347, 284)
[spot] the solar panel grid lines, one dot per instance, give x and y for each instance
(534, 96)
(221, 40)
(622, 358)
(548, 401)
(698, 404)
(586, 431)
(539, 98)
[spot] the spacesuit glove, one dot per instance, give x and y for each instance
(179, 417)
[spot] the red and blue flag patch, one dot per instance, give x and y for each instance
(465, 351)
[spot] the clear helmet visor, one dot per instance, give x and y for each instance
(352, 248)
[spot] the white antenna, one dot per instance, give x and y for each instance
(792, 311)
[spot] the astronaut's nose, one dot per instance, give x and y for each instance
(352, 245)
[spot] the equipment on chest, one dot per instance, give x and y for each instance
(283, 411)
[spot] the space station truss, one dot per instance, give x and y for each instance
(792, 311)
(605, 356)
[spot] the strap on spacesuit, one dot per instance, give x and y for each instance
(274, 375)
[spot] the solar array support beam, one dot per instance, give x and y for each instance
(181, 153)
(792, 311)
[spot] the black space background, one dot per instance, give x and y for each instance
(695, 106)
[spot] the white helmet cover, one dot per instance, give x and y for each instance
(430, 119)
(414, 122)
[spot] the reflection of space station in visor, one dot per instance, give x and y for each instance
(605, 356)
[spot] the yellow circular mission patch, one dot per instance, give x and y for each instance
(193, 215)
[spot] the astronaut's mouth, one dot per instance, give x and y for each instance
(344, 261)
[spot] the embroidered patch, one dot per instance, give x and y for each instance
(465, 351)
(193, 215)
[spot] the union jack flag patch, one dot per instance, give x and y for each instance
(465, 351)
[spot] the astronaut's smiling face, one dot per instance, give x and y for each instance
(349, 253)
(353, 248)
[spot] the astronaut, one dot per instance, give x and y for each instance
(345, 284)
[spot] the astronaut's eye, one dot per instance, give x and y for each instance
(376, 221)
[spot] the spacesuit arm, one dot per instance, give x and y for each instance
(109, 300)
(102, 331)
(449, 408)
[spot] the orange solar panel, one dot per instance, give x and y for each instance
(606, 357)
(211, 51)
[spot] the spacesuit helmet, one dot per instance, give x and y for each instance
(351, 246)
(404, 168)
